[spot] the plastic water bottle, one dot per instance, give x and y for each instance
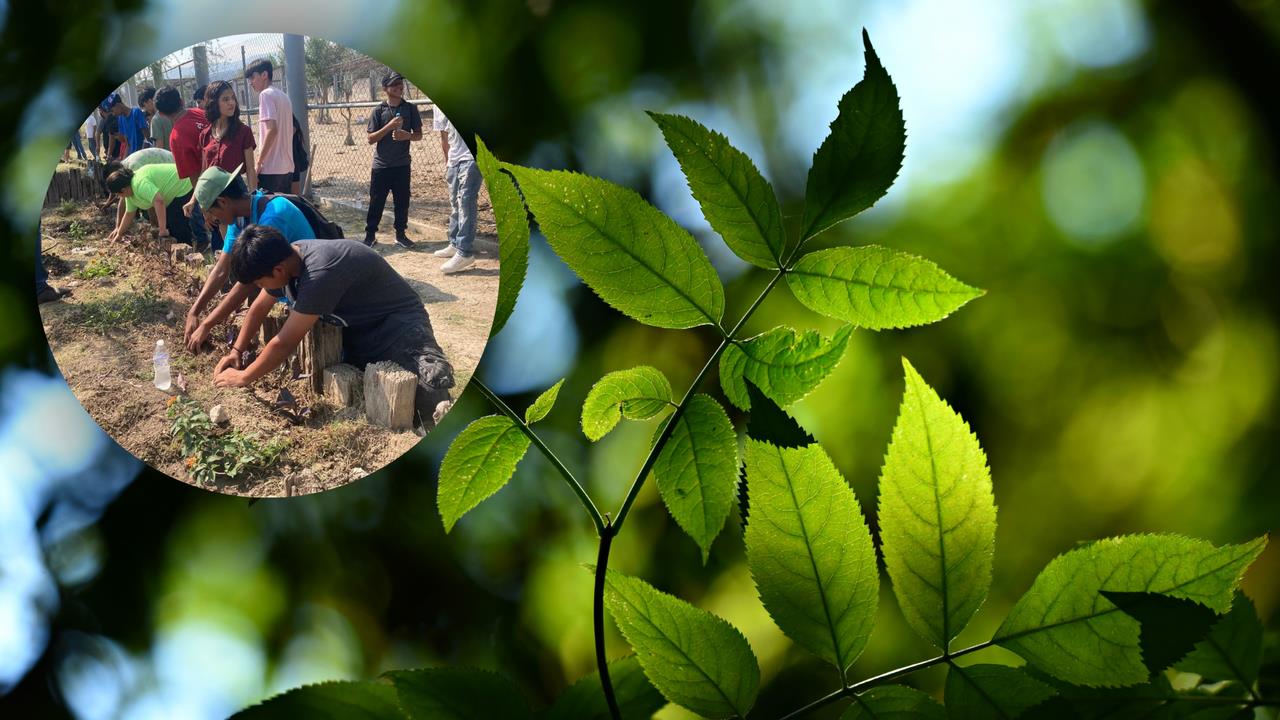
(161, 361)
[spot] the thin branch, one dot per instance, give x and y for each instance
(577, 488)
(602, 662)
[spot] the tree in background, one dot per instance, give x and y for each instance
(321, 56)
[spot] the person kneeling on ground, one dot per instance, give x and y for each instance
(345, 283)
(156, 186)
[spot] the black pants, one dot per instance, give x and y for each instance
(395, 180)
(177, 223)
(281, 183)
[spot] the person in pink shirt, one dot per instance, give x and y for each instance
(275, 130)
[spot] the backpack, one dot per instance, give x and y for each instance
(323, 228)
(301, 159)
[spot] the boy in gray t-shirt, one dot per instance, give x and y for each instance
(344, 283)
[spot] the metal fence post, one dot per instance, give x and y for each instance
(296, 74)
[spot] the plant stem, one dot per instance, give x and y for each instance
(602, 662)
(850, 690)
(577, 488)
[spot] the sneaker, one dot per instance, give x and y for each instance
(51, 294)
(457, 263)
(403, 241)
(447, 251)
(370, 239)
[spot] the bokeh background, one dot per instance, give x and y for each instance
(1106, 169)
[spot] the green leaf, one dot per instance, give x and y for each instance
(692, 657)
(856, 164)
(876, 288)
(635, 258)
(979, 692)
(1148, 701)
(1233, 649)
(737, 201)
(638, 394)
(584, 700)
(457, 693)
(810, 552)
(329, 701)
(513, 233)
(786, 366)
(479, 462)
(894, 702)
(1169, 626)
(770, 423)
(1064, 626)
(697, 471)
(937, 515)
(543, 404)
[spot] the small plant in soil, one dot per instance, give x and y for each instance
(212, 454)
(77, 231)
(100, 268)
(67, 207)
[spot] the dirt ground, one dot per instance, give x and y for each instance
(104, 334)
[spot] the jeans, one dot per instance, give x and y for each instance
(75, 142)
(464, 186)
(382, 180)
(42, 275)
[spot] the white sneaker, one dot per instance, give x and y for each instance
(457, 263)
(447, 251)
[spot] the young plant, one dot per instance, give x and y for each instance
(214, 455)
(1098, 627)
(102, 267)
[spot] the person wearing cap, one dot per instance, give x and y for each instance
(228, 204)
(392, 126)
(158, 187)
(131, 123)
(463, 178)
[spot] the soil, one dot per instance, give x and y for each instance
(108, 363)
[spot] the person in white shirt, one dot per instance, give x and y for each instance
(463, 178)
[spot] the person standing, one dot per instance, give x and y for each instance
(227, 143)
(184, 143)
(161, 126)
(147, 101)
(131, 123)
(463, 178)
(91, 133)
(275, 129)
(392, 126)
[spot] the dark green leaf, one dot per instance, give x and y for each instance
(543, 404)
(692, 657)
(698, 469)
(458, 693)
(635, 258)
(784, 365)
(1233, 649)
(856, 164)
(894, 702)
(1170, 626)
(329, 701)
(584, 700)
(979, 692)
(638, 393)
(769, 423)
(479, 462)
(876, 288)
(736, 200)
(513, 234)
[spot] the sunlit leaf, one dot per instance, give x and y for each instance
(980, 692)
(737, 201)
(633, 256)
(856, 164)
(1064, 626)
(479, 462)
(785, 365)
(543, 404)
(329, 701)
(513, 233)
(876, 288)
(457, 693)
(937, 515)
(894, 702)
(810, 552)
(584, 700)
(638, 393)
(692, 657)
(697, 471)
(1233, 649)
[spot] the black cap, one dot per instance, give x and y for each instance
(391, 78)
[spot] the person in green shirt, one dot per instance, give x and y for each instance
(156, 187)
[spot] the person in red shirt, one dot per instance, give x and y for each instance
(184, 143)
(227, 143)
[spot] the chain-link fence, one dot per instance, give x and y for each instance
(342, 89)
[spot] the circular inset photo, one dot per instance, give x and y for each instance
(268, 265)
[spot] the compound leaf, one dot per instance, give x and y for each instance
(543, 404)
(1233, 649)
(692, 657)
(894, 702)
(457, 693)
(638, 394)
(513, 233)
(810, 552)
(785, 365)
(1064, 625)
(479, 462)
(635, 258)
(584, 700)
(979, 692)
(856, 164)
(876, 288)
(937, 515)
(329, 701)
(697, 471)
(737, 201)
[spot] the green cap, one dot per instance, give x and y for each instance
(212, 182)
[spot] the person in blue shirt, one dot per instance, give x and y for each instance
(228, 204)
(131, 122)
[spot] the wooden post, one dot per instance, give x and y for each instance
(344, 384)
(388, 395)
(321, 348)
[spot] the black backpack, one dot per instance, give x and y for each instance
(301, 158)
(323, 228)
